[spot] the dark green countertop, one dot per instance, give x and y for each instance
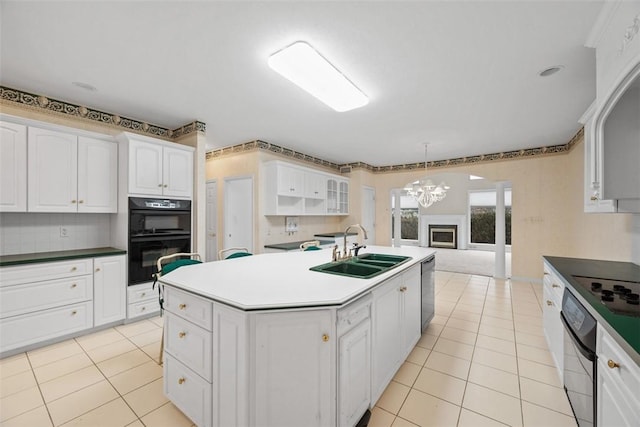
(627, 327)
(336, 234)
(7, 260)
(292, 246)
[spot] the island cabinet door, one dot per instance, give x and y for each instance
(387, 335)
(294, 369)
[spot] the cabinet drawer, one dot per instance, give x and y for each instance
(188, 343)
(29, 297)
(141, 293)
(45, 271)
(556, 286)
(194, 309)
(188, 391)
(627, 374)
(143, 308)
(20, 331)
(353, 314)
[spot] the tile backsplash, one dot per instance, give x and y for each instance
(43, 232)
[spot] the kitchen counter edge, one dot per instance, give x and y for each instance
(40, 257)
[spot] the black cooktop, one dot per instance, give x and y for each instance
(620, 297)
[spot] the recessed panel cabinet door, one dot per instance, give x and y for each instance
(52, 171)
(13, 167)
(293, 369)
(110, 289)
(145, 168)
(97, 175)
(177, 172)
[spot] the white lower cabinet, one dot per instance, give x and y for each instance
(293, 348)
(40, 302)
(142, 300)
(618, 384)
(298, 367)
(553, 328)
(396, 326)
(110, 293)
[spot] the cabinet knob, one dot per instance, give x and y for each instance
(74, 268)
(325, 337)
(165, 186)
(181, 380)
(80, 201)
(73, 201)
(74, 285)
(182, 334)
(143, 308)
(143, 294)
(549, 302)
(555, 286)
(160, 185)
(74, 312)
(593, 198)
(612, 364)
(403, 288)
(182, 306)
(97, 269)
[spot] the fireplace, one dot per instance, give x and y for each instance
(443, 236)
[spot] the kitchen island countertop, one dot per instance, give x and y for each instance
(282, 280)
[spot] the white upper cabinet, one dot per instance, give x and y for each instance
(160, 168)
(295, 190)
(68, 173)
(612, 135)
(13, 167)
(52, 171)
(97, 175)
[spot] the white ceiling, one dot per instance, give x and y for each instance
(462, 76)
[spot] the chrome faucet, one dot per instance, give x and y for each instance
(356, 247)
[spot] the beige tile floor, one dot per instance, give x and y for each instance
(483, 361)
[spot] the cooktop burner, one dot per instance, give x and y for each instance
(618, 296)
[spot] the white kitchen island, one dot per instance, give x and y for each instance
(262, 340)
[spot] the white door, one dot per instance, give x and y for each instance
(238, 213)
(212, 221)
(52, 173)
(369, 214)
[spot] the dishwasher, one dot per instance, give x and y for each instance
(427, 289)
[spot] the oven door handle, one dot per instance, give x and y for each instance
(586, 352)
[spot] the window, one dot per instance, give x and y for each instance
(482, 213)
(409, 217)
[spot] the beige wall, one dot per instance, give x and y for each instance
(547, 212)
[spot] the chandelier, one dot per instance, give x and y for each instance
(424, 190)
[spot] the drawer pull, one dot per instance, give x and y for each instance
(74, 268)
(165, 186)
(549, 302)
(74, 312)
(80, 201)
(181, 380)
(97, 269)
(142, 294)
(74, 286)
(159, 185)
(182, 306)
(555, 286)
(612, 364)
(403, 288)
(73, 201)
(143, 308)
(182, 334)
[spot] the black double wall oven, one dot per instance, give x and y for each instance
(157, 227)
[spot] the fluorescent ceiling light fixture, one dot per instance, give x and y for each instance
(305, 67)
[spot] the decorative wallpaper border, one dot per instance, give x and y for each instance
(348, 167)
(49, 105)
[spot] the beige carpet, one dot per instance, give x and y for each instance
(469, 261)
